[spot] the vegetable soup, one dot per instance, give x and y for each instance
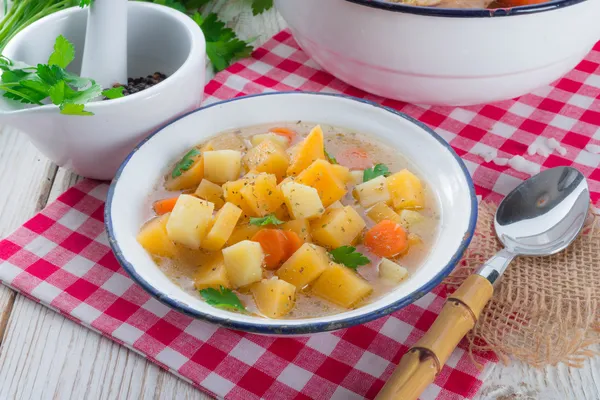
(290, 221)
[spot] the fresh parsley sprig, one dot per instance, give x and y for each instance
(377, 170)
(329, 157)
(348, 256)
(222, 298)
(185, 163)
(270, 219)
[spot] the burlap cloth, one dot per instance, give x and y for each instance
(545, 310)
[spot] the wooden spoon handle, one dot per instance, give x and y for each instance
(419, 366)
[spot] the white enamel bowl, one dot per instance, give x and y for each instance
(142, 170)
(444, 56)
(159, 39)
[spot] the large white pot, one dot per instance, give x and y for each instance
(444, 56)
(159, 39)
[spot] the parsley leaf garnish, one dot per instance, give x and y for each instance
(348, 256)
(64, 52)
(223, 298)
(83, 3)
(270, 219)
(330, 158)
(185, 163)
(260, 6)
(377, 170)
(73, 109)
(113, 93)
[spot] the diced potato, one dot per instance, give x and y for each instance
(267, 157)
(188, 179)
(221, 166)
(282, 213)
(282, 141)
(309, 150)
(210, 192)
(243, 262)
(153, 237)
(223, 225)
(340, 227)
(382, 211)
(232, 194)
(228, 141)
(410, 218)
(341, 172)
(341, 285)
(302, 201)
(304, 266)
(262, 195)
(391, 271)
(300, 226)
(212, 275)
(243, 232)
(406, 190)
(372, 192)
(320, 176)
(356, 177)
(189, 220)
(333, 206)
(274, 297)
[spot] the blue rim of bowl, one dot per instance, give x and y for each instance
(467, 12)
(308, 327)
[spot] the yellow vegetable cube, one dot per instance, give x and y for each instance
(309, 150)
(227, 141)
(243, 232)
(342, 286)
(189, 220)
(300, 226)
(333, 206)
(153, 237)
(274, 297)
(282, 141)
(410, 218)
(223, 225)
(210, 192)
(339, 227)
(304, 266)
(232, 194)
(302, 201)
(221, 166)
(413, 241)
(267, 157)
(382, 211)
(243, 262)
(320, 176)
(341, 172)
(262, 195)
(212, 274)
(356, 177)
(372, 192)
(391, 271)
(189, 178)
(406, 190)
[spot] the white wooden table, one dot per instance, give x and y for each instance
(46, 356)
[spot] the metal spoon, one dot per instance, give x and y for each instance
(541, 217)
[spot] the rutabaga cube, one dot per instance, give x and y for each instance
(154, 238)
(372, 192)
(302, 201)
(274, 297)
(221, 166)
(243, 262)
(267, 157)
(391, 271)
(338, 227)
(280, 140)
(381, 211)
(212, 274)
(223, 225)
(406, 191)
(304, 266)
(210, 192)
(342, 286)
(410, 218)
(189, 220)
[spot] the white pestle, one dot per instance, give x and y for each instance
(105, 51)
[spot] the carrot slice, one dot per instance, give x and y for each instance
(354, 158)
(386, 239)
(285, 132)
(274, 245)
(164, 206)
(293, 243)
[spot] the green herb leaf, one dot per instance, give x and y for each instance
(223, 298)
(50, 74)
(57, 93)
(64, 52)
(113, 93)
(330, 158)
(270, 219)
(348, 256)
(260, 6)
(83, 3)
(74, 109)
(172, 3)
(377, 170)
(23, 94)
(185, 163)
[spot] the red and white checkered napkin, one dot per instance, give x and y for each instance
(61, 257)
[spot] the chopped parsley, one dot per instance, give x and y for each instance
(348, 256)
(377, 170)
(270, 219)
(222, 298)
(185, 163)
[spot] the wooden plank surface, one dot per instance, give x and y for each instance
(44, 355)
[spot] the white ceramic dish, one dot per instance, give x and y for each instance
(159, 39)
(444, 56)
(447, 176)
